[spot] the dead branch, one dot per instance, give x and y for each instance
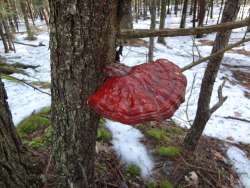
(236, 118)
(27, 83)
(145, 33)
(218, 53)
(220, 97)
(32, 45)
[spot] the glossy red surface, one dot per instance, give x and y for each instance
(148, 92)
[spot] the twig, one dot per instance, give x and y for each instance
(189, 97)
(220, 97)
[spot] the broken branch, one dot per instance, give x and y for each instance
(220, 97)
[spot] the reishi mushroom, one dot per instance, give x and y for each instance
(148, 92)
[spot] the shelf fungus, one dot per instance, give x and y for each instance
(148, 92)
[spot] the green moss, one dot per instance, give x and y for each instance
(103, 135)
(36, 130)
(151, 185)
(31, 124)
(169, 151)
(36, 143)
(175, 131)
(166, 184)
(101, 122)
(133, 170)
(156, 134)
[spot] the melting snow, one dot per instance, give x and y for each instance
(241, 164)
(126, 141)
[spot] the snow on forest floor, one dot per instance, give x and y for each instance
(23, 100)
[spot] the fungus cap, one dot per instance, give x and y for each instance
(148, 92)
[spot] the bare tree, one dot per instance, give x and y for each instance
(204, 111)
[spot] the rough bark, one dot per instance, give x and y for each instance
(13, 171)
(82, 43)
(203, 111)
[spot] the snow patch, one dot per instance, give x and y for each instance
(241, 164)
(126, 142)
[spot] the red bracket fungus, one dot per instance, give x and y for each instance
(148, 92)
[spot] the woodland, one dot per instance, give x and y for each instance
(124, 94)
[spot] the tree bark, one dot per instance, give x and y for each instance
(203, 111)
(13, 170)
(82, 42)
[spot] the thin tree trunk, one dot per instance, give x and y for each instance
(201, 13)
(152, 9)
(184, 14)
(162, 20)
(203, 111)
(82, 38)
(126, 14)
(3, 37)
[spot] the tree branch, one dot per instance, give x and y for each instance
(221, 99)
(218, 53)
(145, 33)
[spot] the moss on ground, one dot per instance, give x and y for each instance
(103, 135)
(169, 151)
(36, 130)
(133, 171)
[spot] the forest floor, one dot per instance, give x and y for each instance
(207, 167)
(226, 138)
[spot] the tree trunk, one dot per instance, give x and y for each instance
(152, 10)
(13, 171)
(203, 111)
(201, 13)
(126, 14)
(4, 39)
(82, 42)
(184, 14)
(162, 20)
(26, 20)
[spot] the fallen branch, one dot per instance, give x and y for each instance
(236, 118)
(24, 82)
(32, 45)
(218, 53)
(145, 33)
